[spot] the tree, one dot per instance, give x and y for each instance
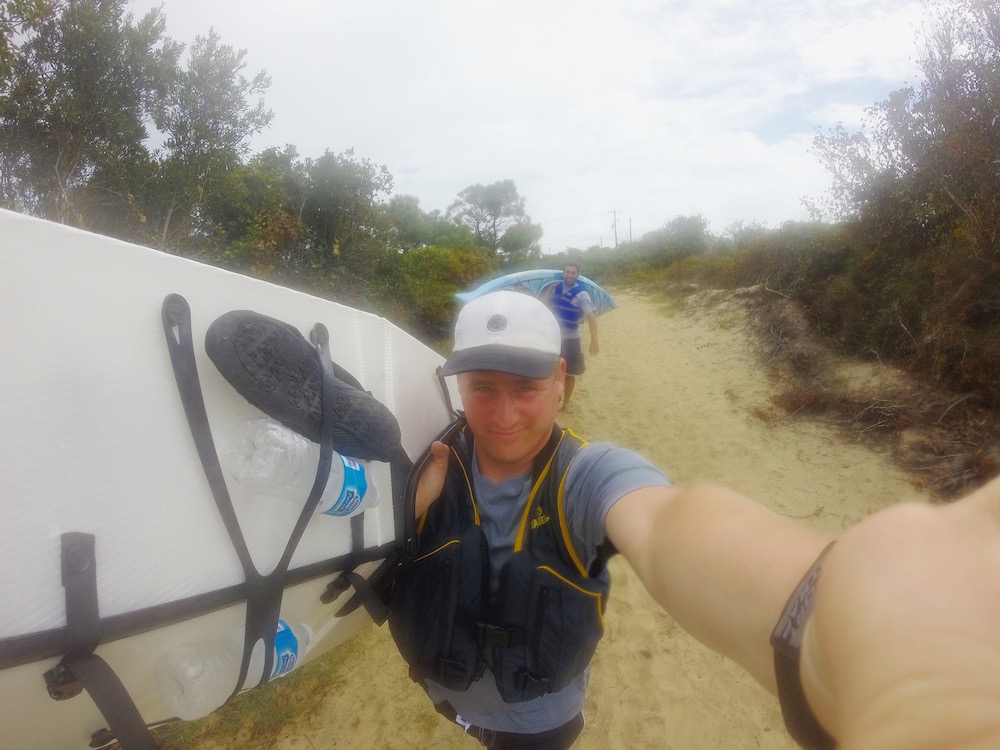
(317, 225)
(678, 238)
(521, 242)
(342, 211)
(920, 189)
(934, 149)
(18, 18)
(959, 143)
(413, 228)
(490, 211)
(256, 216)
(428, 279)
(208, 116)
(74, 106)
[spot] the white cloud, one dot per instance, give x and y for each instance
(653, 109)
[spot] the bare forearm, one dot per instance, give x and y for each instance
(901, 649)
(722, 565)
(595, 346)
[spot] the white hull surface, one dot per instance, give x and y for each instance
(95, 440)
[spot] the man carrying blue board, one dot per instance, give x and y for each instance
(894, 646)
(571, 304)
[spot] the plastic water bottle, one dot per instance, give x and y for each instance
(274, 460)
(195, 679)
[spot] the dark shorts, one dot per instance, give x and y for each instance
(572, 352)
(560, 738)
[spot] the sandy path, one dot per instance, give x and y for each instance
(681, 386)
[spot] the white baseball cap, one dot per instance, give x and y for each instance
(509, 332)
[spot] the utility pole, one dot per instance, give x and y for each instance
(614, 223)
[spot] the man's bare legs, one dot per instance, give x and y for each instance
(567, 393)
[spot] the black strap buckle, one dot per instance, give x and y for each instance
(61, 683)
(531, 686)
(448, 671)
(491, 636)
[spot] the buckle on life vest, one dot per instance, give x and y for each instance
(491, 636)
(447, 671)
(531, 686)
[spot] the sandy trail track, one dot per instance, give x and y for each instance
(681, 385)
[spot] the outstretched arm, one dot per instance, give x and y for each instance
(903, 648)
(722, 565)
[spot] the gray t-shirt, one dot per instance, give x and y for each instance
(599, 476)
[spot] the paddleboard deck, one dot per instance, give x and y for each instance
(96, 441)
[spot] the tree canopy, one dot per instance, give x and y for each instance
(496, 215)
(207, 116)
(920, 187)
(75, 105)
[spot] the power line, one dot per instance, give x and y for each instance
(574, 218)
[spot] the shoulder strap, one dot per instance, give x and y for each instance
(541, 497)
(444, 390)
(543, 457)
(553, 498)
(373, 593)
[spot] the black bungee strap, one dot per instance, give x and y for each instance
(375, 592)
(320, 338)
(371, 592)
(82, 669)
(445, 392)
(264, 592)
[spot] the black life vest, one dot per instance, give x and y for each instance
(542, 627)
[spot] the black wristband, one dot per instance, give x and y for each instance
(786, 640)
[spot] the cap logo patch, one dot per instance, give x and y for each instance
(496, 324)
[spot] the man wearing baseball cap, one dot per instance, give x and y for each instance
(501, 610)
(532, 496)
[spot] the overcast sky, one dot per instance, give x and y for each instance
(640, 110)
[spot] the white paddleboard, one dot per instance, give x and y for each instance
(95, 440)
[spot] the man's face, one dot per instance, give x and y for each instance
(511, 418)
(570, 275)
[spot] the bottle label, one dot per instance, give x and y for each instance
(353, 491)
(286, 650)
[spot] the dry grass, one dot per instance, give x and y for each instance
(948, 440)
(259, 718)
